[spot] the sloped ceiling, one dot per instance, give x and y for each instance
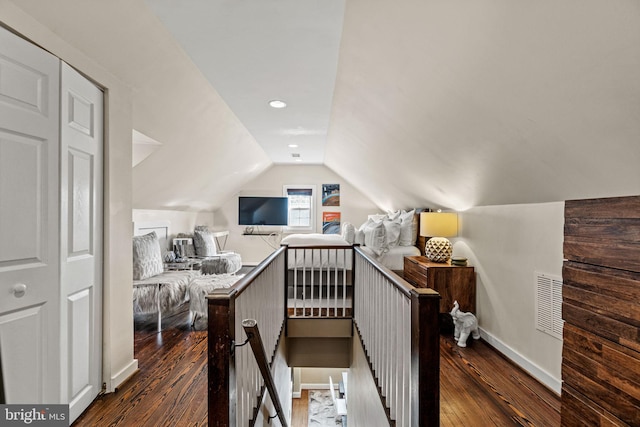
(207, 154)
(466, 103)
(436, 103)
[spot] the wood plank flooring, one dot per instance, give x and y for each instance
(478, 387)
(170, 388)
(300, 410)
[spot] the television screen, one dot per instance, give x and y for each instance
(263, 210)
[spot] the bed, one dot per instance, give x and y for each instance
(388, 238)
(393, 258)
(158, 291)
(319, 266)
(202, 285)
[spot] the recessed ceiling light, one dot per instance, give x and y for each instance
(293, 145)
(276, 103)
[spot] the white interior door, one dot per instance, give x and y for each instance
(81, 133)
(29, 218)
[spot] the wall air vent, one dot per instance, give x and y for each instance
(295, 154)
(549, 304)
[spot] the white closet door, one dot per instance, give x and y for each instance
(29, 220)
(81, 107)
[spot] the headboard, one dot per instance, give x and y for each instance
(160, 227)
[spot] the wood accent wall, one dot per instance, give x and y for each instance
(601, 309)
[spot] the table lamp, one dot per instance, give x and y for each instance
(438, 226)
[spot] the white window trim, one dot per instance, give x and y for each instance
(312, 213)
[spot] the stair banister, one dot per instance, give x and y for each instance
(255, 341)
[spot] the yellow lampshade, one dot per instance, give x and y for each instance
(438, 224)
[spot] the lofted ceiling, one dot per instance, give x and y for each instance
(417, 103)
(255, 51)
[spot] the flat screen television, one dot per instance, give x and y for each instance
(263, 210)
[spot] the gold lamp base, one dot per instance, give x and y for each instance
(438, 249)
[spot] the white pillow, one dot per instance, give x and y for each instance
(393, 215)
(377, 217)
(349, 232)
(392, 232)
(204, 242)
(374, 237)
(147, 257)
(407, 228)
(359, 237)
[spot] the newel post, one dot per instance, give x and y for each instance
(425, 357)
(221, 363)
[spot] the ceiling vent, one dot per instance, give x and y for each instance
(295, 155)
(549, 304)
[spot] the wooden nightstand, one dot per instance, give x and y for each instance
(451, 282)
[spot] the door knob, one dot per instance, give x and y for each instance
(19, 289)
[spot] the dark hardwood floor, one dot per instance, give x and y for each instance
(478, 387)
(170, 388)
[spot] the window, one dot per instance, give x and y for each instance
(301, 207)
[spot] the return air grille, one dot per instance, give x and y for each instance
(549, 304)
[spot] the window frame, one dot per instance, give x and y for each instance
(312, 210)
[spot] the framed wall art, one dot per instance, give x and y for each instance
(330, 194)
(330, 222)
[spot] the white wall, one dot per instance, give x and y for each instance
(354, 206)
(282, 379)
(180, 221)
(318, 378)
(507, 245)
(118, 361)
(364, 407)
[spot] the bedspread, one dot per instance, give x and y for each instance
(168, 289)
(203, 285)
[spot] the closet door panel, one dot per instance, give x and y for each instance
(23, 359)
(81, 237)
(29, 221)
(22, 161)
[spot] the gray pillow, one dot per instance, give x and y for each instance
(204, 242)
(147, 257)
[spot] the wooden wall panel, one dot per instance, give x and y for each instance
(603, 232)
(579, 412)
(601, 309)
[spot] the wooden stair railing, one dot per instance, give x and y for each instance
(398, 326)
(255, 341)
(235, 388)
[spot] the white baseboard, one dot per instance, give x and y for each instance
(534, 370)
(123, 375)
(312, 386)
(296, 395)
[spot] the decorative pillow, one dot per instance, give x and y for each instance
(374, 237)
(407, 228)
(392, 232)
(359, 238)
(349, 232)
(204, 242)
(377, 217)
(393, 215)
(147, 257)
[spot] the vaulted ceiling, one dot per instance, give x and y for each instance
(440, 103)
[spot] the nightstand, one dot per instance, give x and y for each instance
(451, 282)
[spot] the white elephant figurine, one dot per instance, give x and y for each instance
(464, 324)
